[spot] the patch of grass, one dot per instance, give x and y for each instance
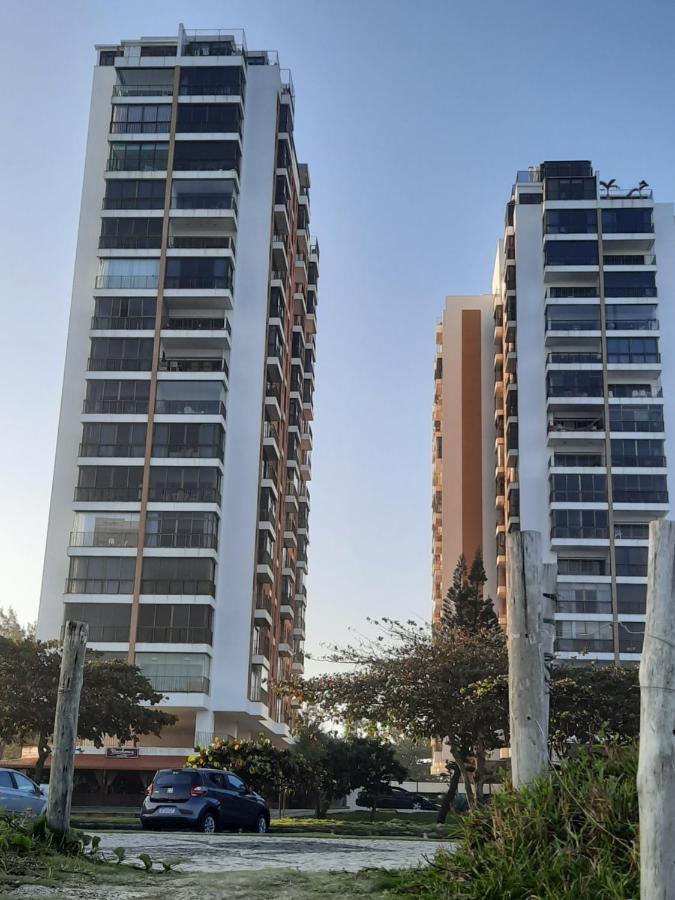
(390, 828)
(386, 815)
(572, 834)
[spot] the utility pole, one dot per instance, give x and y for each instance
(527, 672)
(65, 726)
(656, 768)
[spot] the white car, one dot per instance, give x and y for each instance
(20, 794)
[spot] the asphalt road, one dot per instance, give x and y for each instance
(205, 853)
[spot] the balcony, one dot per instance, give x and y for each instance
(202, 242)
(118, 364)
(127, 282)
(115, 407)
(158, 127)
(108, 494)
(193, 540)
(178, 586)
(575, 359)
(179, 684)
(112, 450)
(190, 408)
(204, 201)
(198, 282)
(123, 323)
(188, 451)
(197, 324)
(104, 539)
(184, 495)
(130, 241)
(99, 586)
(143, 90)
(193, 365)
(261, 645)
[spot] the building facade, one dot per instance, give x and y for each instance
(178, 526)
(463, 502)
(585, 423)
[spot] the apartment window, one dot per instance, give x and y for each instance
(637, 452)
(92, 529)
(631, 317)
(570, 221)
(639, 488)
(581, 635)
(584, 598)
(180, 439)
(120, 354)
(574, 384)
(207, 81)
(101, 575)
(107, 622)
(108, 57)
(176, 672)
(570, 188)
(129, 313)
(631, 598)
(635, 418)
(578, 459)
(178, 575)
(209, 117)
(573, 317)
(190, 398)
(631, 561)
(125, 396)
(579, 488)
(198, 272)
(133, 156)
(134, 194)
(158, 50)
(627, 221)
(198, 484)
(188, 193)
(113, 439)
(128, 273)
(265, 548)
(151, 118)
(114, 483)
(631, 637)
(579, 523)
(168, 623)
(131, 233)
(166, 529)
(633, 350)
(632, 390)
(259, 684)
(527, 199)
(206, 155)
(571, 253)
(630, 284)
(582, 566)
(285, 119)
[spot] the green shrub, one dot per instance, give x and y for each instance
(572, 834)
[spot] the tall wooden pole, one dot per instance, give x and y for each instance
(65, 726)
(527, 673)
(656, 768)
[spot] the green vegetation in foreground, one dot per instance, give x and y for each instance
(393, 827)
(573, 834)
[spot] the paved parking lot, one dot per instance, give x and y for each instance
(202, 853)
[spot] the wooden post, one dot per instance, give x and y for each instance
(527, 675)
(656, 767)
(65, 726)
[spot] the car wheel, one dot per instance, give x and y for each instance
(417, 805)
(261, 825)
(208, 823)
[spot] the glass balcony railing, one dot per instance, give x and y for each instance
(118, 364)
(92, 449)
(99, 585)
(104, 538)
(142, 90)
(181, 539)
(193, 365)
(109, 494)
(139, 282)
(178, 586)
(184, 495)
(179, 684)
(156, 634)
(113, 407)
(123, 323)
(190, 408)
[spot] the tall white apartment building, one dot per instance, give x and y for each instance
(178, 526)
(584, 387)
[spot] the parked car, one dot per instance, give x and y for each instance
(204, 799)
(20, 794)
(396, 798)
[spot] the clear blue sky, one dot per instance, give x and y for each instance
(414, 118)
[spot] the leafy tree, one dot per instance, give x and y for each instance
(451, 683)
(592, 704)
(373, 767)
(11, 628)
(325, 762)
(267, 769)
(466, 605)
(117, 699)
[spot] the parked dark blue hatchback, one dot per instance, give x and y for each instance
(205, 799)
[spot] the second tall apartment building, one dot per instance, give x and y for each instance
(179, 515)
(579, 409)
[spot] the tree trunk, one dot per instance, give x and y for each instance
(468, 784)
(373, 810)
(449, 796)
(65, 727)
(656, 767)
(321, 806)
(480, 776)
